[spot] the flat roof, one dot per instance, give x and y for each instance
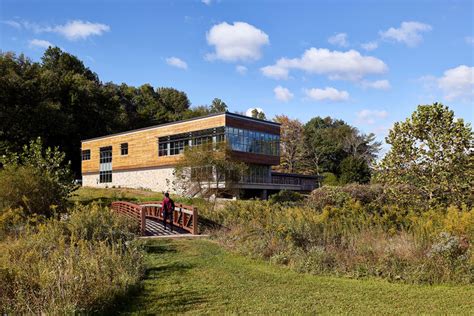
(187, 120)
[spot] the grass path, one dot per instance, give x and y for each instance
(198, 276)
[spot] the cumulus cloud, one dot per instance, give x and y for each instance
(249, 111)
(370, 116)
(408, 33)
(72, 30)
(350, 65)
(39, 43)
(206, 2)
(458, 83)
(241, 69)
(369, 46)
(238, 41)
(339, 39)
(327, 94)
(176, 62)
(283, 94)
(377, 84)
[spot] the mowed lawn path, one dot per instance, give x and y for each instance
(199, 276)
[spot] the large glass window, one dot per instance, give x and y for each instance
(176, 144)
(253, 141)
(257, 174)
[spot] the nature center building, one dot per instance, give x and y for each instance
(145, 157)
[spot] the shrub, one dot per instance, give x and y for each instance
(80, 264)
(330, 179)
(286, 196)
(35, 180)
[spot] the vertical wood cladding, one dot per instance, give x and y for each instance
(143, 144)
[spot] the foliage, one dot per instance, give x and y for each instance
(291, 146)
(36, 179)
(358, 232)
(329, 178)
(208, 169)
(286, 196)
(328, 142)
(431, 150)
(82, 264)
(354, 170)
(64, 102)
(258, 114)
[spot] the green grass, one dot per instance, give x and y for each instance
(87, 195)
(199, 276)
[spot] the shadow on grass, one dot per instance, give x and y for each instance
(153, 248)
(165, 270)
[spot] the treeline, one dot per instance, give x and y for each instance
(328, 147)
(62, 101)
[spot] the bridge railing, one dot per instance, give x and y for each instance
(184, 216)
(132, 211)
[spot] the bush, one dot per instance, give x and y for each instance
(354, 170)
(286, 196)
(80, 264)
(352, 238)
(330, 179)
(35, 180)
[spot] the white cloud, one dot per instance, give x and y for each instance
(39, 43)
(328, 93)
(408, 33)
(369, 46)
(350, 65)
(469, 40)
(283, 94)
(77, 29)
(339, 39)
(241, 69)
(249, 111)
(238, 41)
(206, 2)
(12, 23)
(370, 116)
(72, 30)
(458, 83)
(176, 62)
(377, 84)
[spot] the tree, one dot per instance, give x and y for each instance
(208, 170)
(258, 114)
(291, 146)
(354, 170)
(218, 106)
(431, 150)
(175, 102)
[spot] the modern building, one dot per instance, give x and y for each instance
(145, 158)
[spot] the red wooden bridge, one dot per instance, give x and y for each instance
(149, 216)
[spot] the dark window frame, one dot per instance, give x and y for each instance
(86, 154)
(124, 149)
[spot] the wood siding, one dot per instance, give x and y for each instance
(143, 144)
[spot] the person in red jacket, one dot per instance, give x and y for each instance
(167, 207)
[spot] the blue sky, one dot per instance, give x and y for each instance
(367, 62)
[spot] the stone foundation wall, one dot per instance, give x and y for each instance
(156, 179)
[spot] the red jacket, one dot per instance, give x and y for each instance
(167, 205)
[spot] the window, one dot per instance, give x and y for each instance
(124, 149)
(86, 154)
(105, 176)
(253, 141)
(176, 144)
(105, 154)
(105, 165)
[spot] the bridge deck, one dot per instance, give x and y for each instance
(156, 228)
